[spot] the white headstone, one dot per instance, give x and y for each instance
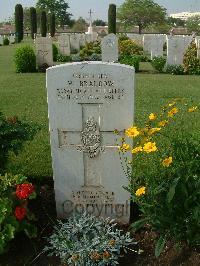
(197, 41)
(153, 44)
(109, 48)
(84, 103)
(44, 53)
(82, 40)
(1, 40)
(176, 48)
(12, 39)
(64, 44)
(75, 42)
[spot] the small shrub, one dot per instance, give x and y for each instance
(55, 52)
(123, 37)
(129, 47)
(175, 69)
(87, 240)
(191, 62)
(131, 61)
(6, 41)
(13, 133)
(15, 191)
(95, 57)
(89, 49)
(25, 60)
(63, 58)
(76, 58)
(158, 63)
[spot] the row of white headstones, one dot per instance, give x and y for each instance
(11, 38)
(87, 101)
(152, 45)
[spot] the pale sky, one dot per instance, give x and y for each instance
(99, 7)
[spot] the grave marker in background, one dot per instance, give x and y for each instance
(109, 48)
(64, 44)
(44, 53)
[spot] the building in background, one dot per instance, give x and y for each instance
(184, 15)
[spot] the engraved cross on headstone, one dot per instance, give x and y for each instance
(91, 140)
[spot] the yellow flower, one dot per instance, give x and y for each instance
(150, 147)
(166, 162)
(154, 130)
(141, 191)
(132, 132)
(137, 149)
(152, 116)
(163, 123)
(192, 109)
(124, 147)
(171, 104)
(172, 112)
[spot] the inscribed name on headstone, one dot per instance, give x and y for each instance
(176, 48)
(75, 42)
(44, 53)
(86, 103)
(64, 44)
(109, 48)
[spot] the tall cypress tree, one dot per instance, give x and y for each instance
(33, 19)
(43, 24)
(52, 25)
(19, 22)
(112, 19)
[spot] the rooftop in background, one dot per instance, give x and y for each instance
(184, 15)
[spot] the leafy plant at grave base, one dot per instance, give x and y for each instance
(76, 58)
(15, 192)
(129, 47)
(43, 68)
(191, 62)
(95, 57)
(63, 58)
(25, 59)
(131, 61)
(158, 63)
(87, 240)
(89, 49)
(55, 52)
(6, 41)
(164, 173)
(175, 69)
(13, 133)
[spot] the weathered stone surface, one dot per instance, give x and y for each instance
(64, 44)
(44, 53)
(109, 47)
(75, 42)
(86, 102)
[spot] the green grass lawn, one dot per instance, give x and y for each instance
(24, 95)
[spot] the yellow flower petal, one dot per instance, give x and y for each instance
(132, 132)
(192, 109)
(167, 162)
(152, 116)
(149, 147)
(140, 191)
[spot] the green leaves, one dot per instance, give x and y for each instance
(172, 189)
(160, 246)
(139, 224)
